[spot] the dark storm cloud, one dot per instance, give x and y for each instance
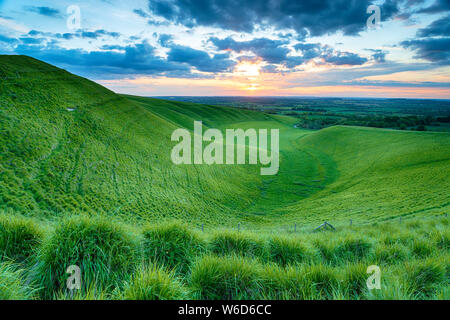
(272, 51)
(440, 27)
(45, 11)
(432, 49)
(276, 52)
(437, 6)
(318, 17)
(200, 59)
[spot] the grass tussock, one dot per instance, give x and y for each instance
(117, 263)
(224, 278)
(19, 238)
(172, 245)
(285, 251)
(12, 283)
(340, 251)
(153, 283)
(424, 278)
(104, 251)
(237, 243)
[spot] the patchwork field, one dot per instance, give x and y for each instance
(86, 179)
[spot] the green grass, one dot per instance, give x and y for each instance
(105, 252)
(153, 284)
(12, 284)
(19, 238)
(237, 243)
(226, 278)
(172, 245)
(86, 179)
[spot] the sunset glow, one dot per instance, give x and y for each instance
(141, 49)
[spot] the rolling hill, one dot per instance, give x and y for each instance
(71, 146)
(86, 180)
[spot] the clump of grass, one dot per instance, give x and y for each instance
(354, 281)
(286, 251)
(441, 239)
(12, 284)
(391, 253)
(172, 245)
(323, 280)
(224, 278)
(422, 248)
(288, 283)
(104, 251)
(424, 278)
(90, 293)
(232, 242)
(19, 238)
(402, 238)
(153, 283)
(343, 250)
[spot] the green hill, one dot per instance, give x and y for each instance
(86, 179)
(68, 145)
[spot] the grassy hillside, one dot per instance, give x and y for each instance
(72, 146)
(86, 179)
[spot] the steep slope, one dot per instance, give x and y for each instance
(69, 145)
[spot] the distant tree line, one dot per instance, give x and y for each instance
(419, 123)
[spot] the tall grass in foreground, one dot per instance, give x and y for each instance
(19, 238)
(172, 245)
(170, 261)
(153, 283)
(12, 283)
(105, 252)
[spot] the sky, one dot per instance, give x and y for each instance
(337, 48)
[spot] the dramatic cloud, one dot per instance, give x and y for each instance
(45, 11)
(200, 59)
(431, 49)
(440, 27)
(272, 51)
(437, 6)
(318, 17)
(134, 59)
(276, 52)
(265, 46)
(344, 58)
